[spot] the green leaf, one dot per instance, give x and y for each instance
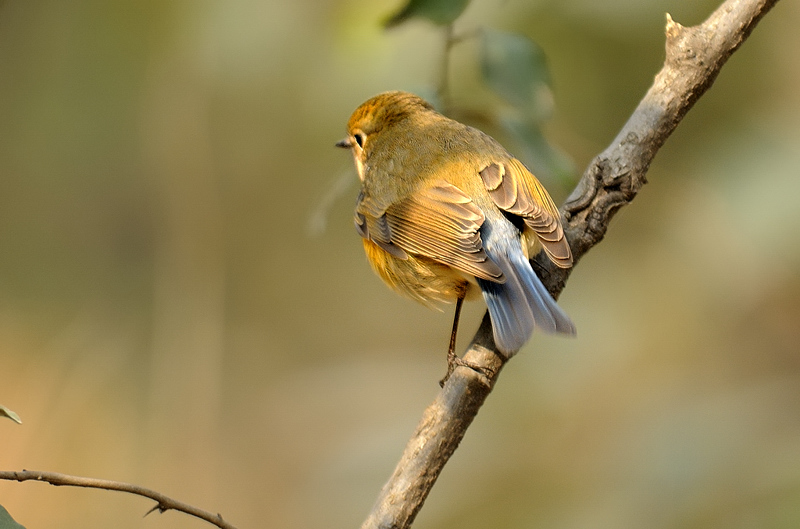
(5, 412)
(514, 67)
(440, 12)
(6, 521)
(549, 164)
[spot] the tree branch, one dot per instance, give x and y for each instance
(163, 503)
(694, 57)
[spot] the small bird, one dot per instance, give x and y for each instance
(446, 212)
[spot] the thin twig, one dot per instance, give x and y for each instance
(694, 57)
(451, 39)
(443, 90)
(163, 503)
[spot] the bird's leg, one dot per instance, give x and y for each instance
(453, 360)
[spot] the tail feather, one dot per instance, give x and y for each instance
(522, 303)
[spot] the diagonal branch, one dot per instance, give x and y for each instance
(163, 503)
(694, 57)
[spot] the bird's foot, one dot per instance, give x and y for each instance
(454, 361)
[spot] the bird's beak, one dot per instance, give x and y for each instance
(344, 144)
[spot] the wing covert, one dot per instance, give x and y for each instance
(439, 222)
(514, 189)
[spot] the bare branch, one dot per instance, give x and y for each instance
(163, 503)
(694, 57)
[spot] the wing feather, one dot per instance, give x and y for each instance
(514, 189)
(440, 222)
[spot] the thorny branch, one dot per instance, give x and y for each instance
(163, 503)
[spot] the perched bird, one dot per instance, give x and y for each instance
(446, 212)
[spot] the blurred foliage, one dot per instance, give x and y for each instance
(6, 521)
(441, 12)
(169, 321)
(5, 412)
(514, 67)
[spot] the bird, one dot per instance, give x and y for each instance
(447, 214)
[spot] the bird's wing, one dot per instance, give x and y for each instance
(439, 222)
(514, 189)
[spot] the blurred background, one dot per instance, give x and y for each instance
(185, 304)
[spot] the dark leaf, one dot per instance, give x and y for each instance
(440, 12)
(6, 521)
(514, 67)
(549, 164)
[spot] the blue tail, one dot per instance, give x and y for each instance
(522, 303)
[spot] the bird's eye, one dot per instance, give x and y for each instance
(360, 139)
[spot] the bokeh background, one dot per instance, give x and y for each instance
(184, 303)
